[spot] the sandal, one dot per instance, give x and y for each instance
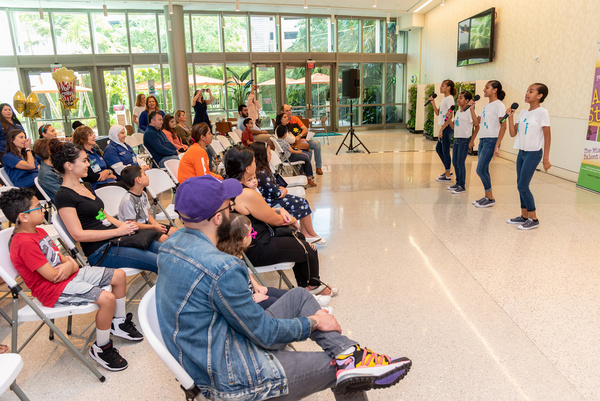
(323, 287)
(3, 349)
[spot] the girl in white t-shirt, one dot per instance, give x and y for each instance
(445, 136)
(462, 125)
(533, 134)
(140, 105)
(491, 131)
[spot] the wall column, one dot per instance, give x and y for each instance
(177, 60)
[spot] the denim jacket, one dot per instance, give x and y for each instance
(212, 326)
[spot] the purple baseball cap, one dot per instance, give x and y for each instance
(198, 198)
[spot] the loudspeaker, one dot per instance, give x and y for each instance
(351, 83)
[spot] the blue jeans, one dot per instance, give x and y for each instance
(459, 155)
(164, 159)
(526, 165)
(443, 147)
(127, 257)
(315, 145)
(485, 154)
(305, 157)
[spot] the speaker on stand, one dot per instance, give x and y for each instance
(351, 90)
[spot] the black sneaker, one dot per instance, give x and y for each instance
(479, 200)
(486, 202)
(444, 174)
(108, 357)
(452, 187)
(529, 224)
(517, 220)
(125, 328)
(443, 178)
(459, 190)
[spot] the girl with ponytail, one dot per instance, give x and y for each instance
(445, 136)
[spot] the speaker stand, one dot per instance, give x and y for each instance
(352, 148)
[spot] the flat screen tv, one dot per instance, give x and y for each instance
(476, 39)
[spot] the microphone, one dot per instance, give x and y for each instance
(434, 95)
(513, 107)
(451, 109)
(476, 98)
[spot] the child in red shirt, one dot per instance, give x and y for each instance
(247, 137)
(55, 279)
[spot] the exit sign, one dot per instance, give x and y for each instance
(310, 64)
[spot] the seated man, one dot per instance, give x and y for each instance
(259, 135)
(156, 141)
(227, 343)
(314, 144)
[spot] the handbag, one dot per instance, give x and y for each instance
(280, 181)
(141, 239)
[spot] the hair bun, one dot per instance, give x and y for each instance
(55, 145)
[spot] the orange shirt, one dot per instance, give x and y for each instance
(296, 120)
(194, 163)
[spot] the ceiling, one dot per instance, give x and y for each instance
(341, 7)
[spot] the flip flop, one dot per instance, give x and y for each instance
(3, 349)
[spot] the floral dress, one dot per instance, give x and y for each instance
(296, 206)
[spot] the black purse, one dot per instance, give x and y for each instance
(280, 181)
(141, 239)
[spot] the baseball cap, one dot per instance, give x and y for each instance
(198, 198)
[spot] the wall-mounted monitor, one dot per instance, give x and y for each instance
(476, 39)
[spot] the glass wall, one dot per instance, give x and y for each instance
(344, 109)
(5, 45)
(372, 93)
(206, 33)
(263, 33)
(373, 36)
(72, 32)
(395, 93)
(321, 35)
(110, 33)
(294, 36)
(348, 34)
(235, 29)
(238, 86)
(143, 34)
(33, 33)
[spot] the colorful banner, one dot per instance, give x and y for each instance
(589, 174)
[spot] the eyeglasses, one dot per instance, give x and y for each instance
(33, 210)
(252, 234)
(230, 207)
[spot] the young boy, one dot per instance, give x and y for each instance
(247, 137)
(56, 280)
(295, 154)
(134, 205)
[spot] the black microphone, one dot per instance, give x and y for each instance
(476, 98)
(434, 95)
(451, 109)
(513, 107)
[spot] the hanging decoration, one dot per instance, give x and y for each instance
(65, 81)
(33, 107)
(19, 102)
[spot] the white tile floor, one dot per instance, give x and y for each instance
(485, 311)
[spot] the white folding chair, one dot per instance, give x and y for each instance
(159, 183)
(224, 142)
(10, 367)
(46, 199)
(34, 311)
(111, 197)
(278, 267)
(285, 160)
(236, 136)
(277, 166)
(172, 167)
(148, 318)
(137, 140)
(5, 178)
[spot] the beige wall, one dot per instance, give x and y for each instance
(564, 36)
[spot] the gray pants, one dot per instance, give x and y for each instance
(309, 372)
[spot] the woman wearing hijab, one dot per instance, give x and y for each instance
(118, 154)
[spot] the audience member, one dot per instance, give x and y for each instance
(202, 295)
(57, 280)
(119, 154)
(268, 247)
(276, 195)
(247, 137)
(9, 122)
(157, 143)
(200, 106)
(294, 155)
(140, 105)
(76, 124)
(135, 207)
(314, 144)
(47, 131)
(104, 239)
(195, 162)
(182, 129)
(254, 105)
(19, 162)
(144, 118)
(168, 128)
(48, 178)
(99, 174)
(259, 135)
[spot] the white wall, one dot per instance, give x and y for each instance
(564, 36)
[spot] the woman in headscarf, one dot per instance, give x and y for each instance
(118, 154)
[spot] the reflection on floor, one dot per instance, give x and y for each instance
(485, 311)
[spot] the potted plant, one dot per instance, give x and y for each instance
(237, 89)
(412, 108)
(428, 126)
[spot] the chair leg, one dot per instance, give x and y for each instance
(286, 280)
(69, 325)
(19, 393)
(51, 335)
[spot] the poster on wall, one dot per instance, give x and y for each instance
(589, 173)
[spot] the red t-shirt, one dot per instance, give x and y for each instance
(29, 252)
(247, 137)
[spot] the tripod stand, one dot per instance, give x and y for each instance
(352, 135)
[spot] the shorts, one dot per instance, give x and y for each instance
(86, 287)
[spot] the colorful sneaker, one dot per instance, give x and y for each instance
(125, 328)
(459, 190)
(452, 187)
(529, 224)
(363, 370)
(486, 202)
(479, 200)
(517, 220)
(108, 357)
(443, 178)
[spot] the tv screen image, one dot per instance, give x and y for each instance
(476, 39)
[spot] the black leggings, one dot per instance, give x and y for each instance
(288, 249)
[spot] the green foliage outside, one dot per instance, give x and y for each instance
(412, 108)
(428, 126)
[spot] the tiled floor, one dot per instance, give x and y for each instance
(485, 311)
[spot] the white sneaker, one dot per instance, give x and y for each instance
(328, 309)
(323, 300)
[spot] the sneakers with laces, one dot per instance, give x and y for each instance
(529, 224)
(452, 187)
(443, 178)
(486, 202)
(517, 220)
(362, 369)
(125, 328)
(459, 190)
(478, 200)
(108, 357)
(444, 174)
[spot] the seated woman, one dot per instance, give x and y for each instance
(8, 122)
(118, 154)
(195, 161)
(278, 196)
(99, 174)
(19, 162)
(267, 248)
(47, 131)
(182, 129)
(168, 129)
(49, 179)
(151, 105)
(82, 213)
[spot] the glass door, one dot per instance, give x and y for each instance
(320, 79)
(117, 94)
(266, 79)
(296, 90)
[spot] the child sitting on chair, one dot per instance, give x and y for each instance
(134, 205)
(56, 280)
